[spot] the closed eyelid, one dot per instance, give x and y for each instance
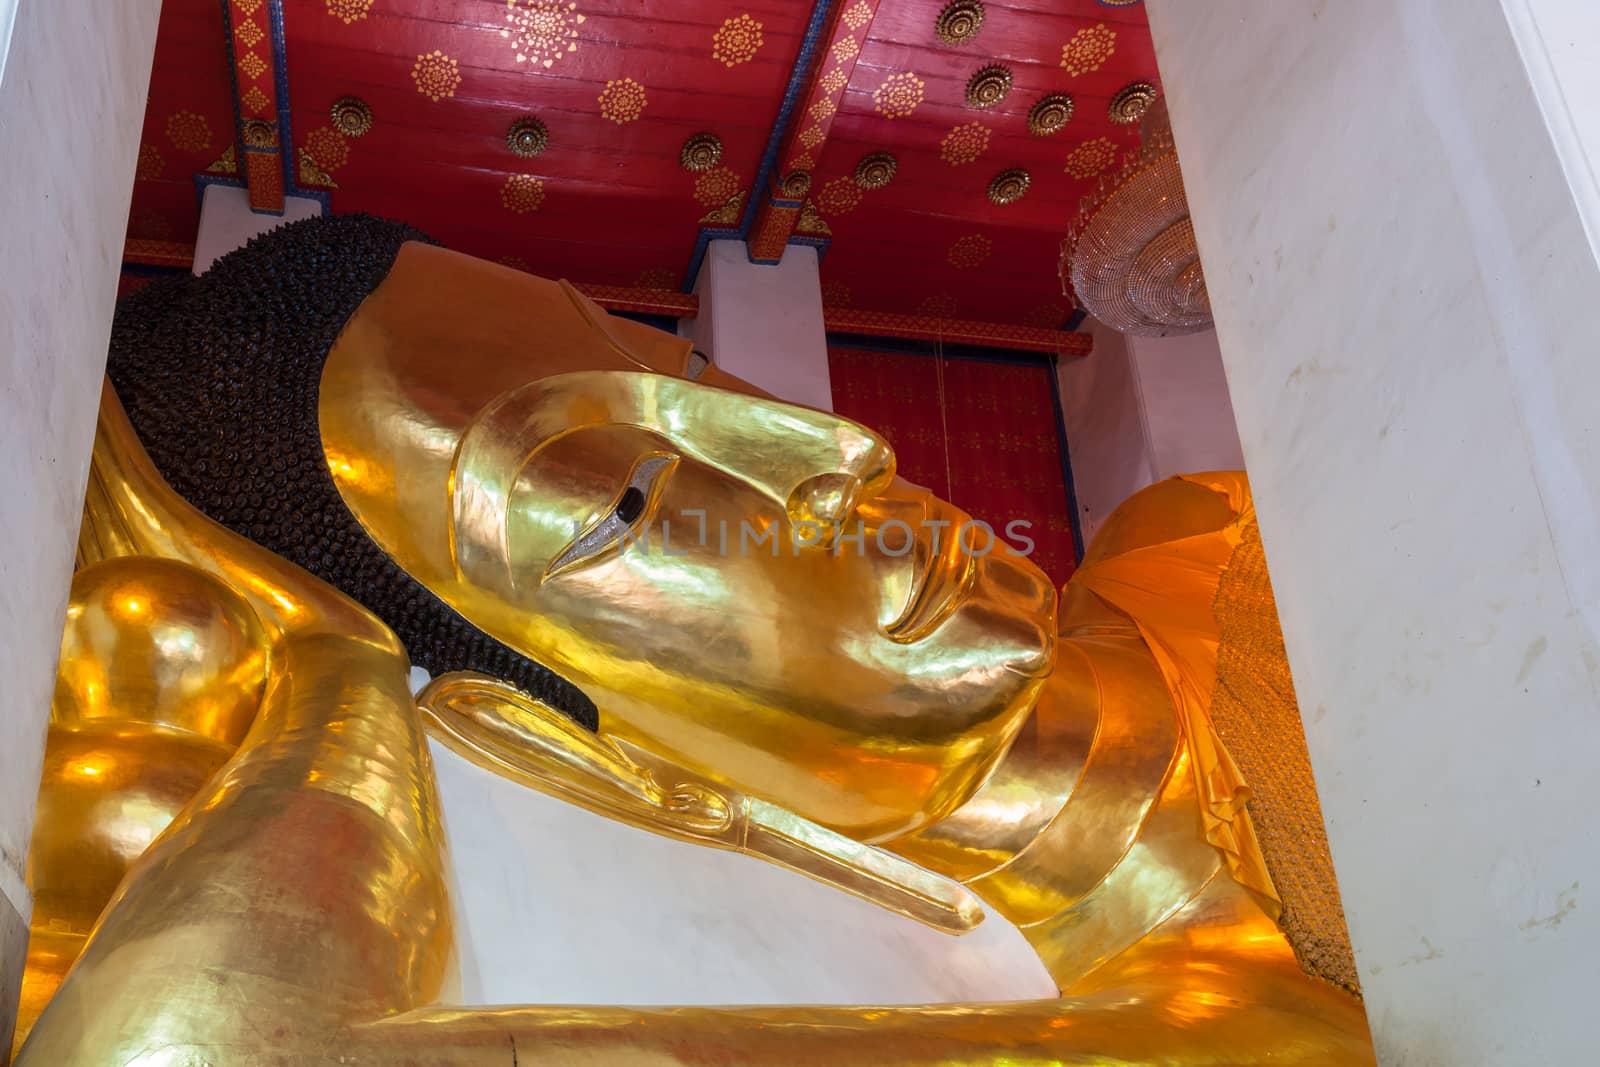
(643, 485)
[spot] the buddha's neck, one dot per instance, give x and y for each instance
(1096, 790)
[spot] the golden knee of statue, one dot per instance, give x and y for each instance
(663, 598)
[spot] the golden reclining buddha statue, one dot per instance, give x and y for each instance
(666, 597)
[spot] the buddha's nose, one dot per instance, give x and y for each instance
(825, 502)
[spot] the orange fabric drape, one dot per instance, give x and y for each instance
(1168, 589)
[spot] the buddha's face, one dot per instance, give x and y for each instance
(824, 643)
(744, 586)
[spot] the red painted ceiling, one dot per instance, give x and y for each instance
(621, 84)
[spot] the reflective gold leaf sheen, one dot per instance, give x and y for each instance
(870, 691)
(291, 906)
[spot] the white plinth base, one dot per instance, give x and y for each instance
(558, 906)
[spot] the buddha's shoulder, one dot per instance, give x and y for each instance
(1169, 511)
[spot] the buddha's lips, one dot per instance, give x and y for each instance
(946, 573)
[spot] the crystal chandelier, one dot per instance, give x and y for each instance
(1130, 258)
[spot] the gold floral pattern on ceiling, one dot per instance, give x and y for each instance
(970, 251)
(898, 96)
(715, 186)
(522, 193)
(311, 174)
(255, 100)
(727, 214)
(964, 144)
(845, 49)
(835, 294)
(938, 305)
(823, 109)
(328, 147)
(811, 222)
(150, 163)
(736, 41)
(437, 75)
(833, 81)
(188, 131)
(1130, 103)
(1091, 157)
(351, 116)
(248, 7)
(348, 11)
(812, 136)
(622, 101)
(253, 65)
(839, 196)
(227, 163)
(249, 33)
(857, 15)
(542, 31)
(1089, 48)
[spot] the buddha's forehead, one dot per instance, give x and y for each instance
(471, 319)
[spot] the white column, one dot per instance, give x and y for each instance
(1140, 409)
(764, 322)
(72, 99)
(227, 223)
(1408, 306)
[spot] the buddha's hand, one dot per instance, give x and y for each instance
(504, 730)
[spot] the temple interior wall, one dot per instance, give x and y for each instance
(72, 98)
(764, 322)
(1405, 297)
(1140, 409)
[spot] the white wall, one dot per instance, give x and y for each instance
(8, 15)
(71, 108)
(1140, 409)
(1408, 307)
(1188, 415)
(764, 322)
(1106, 437)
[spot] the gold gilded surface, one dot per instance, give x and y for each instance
(867, 691)
(295, 909)
(509, 733)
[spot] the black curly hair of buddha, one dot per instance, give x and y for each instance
(220, 374)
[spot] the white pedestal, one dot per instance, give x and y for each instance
(558, 906)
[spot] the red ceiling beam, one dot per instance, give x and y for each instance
(253, 43)
(809, 123)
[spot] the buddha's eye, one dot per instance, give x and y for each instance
(631, 506)
(615, 526)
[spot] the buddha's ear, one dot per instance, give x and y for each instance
(507, 732)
